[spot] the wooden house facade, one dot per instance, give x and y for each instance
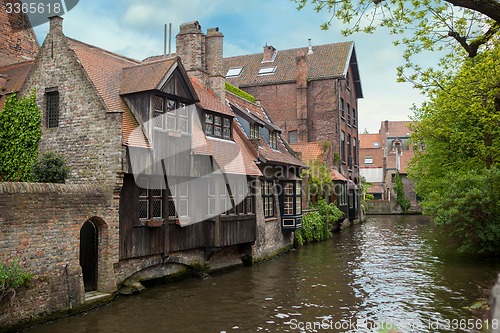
(185, 183)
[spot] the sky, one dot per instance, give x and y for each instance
(135, 28)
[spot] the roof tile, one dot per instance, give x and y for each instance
(12, 78)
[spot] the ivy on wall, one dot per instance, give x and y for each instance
(20, 133)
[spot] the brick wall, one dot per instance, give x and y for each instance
(40, 223)
(18, 42)
(88, 136)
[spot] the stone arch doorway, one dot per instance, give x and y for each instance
(89, 254)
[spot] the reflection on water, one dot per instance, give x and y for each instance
(390, 270)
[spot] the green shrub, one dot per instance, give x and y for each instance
(50, 168)
(12, 276)
(469, 209)
(318, 225)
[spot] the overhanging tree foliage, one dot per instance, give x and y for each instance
(456, 174)
(462, 26)
(20, 133)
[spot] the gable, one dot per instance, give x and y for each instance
(166, 75)
(177, 85)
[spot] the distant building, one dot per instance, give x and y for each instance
(312, 94)
(384, 154)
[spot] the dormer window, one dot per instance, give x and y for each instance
(273, 140)
(218, 126)
(254, 131)
(170, 115)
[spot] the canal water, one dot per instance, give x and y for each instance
(390, 271)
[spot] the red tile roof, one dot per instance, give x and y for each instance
(335, 175)
(12, 78)
(326, 61)
(311, 151)
(234, 157)
(367, 140)
(283, 154)
(208, 99)
(396, 128)
(145, 76)
(105, 70)
(375, 189)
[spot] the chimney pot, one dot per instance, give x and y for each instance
(310, 51)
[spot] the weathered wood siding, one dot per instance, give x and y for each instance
(137, 239)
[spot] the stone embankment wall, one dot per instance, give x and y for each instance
(40, 225)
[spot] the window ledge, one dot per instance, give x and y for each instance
(271, 219)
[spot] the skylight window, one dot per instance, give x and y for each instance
(233, 72)
(267, 70)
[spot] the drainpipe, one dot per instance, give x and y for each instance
(338, 128)
(70, 301)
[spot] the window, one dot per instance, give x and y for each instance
(348, 114)
(233, 72)
(341, 107)
(150, 203)
(292, 199)
(267, 70)
(293, 136)
(242, 193)
(349, 150)
(341, 194)
(355, 153)
(254, 131)
(368, 159)
(353, 116)
(376, 144)
(178, 201)
(342, 145)
(52, 108)
(176, 118)
(273, 140)
(347, 79)
(218, 126)
(268, 198)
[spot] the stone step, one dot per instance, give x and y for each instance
(92, 296)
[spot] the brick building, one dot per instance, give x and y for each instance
(312, 94)
(18, 42)
(385, 154)
(144, 135)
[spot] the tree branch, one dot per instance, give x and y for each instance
(490, 8)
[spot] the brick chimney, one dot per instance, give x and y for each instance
(190, 47)
(301, 85)
(269, 54)
(214, 58)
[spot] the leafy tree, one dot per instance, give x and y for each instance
(20, 133)
(459, 26)
(460, 128)
(50, 168)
